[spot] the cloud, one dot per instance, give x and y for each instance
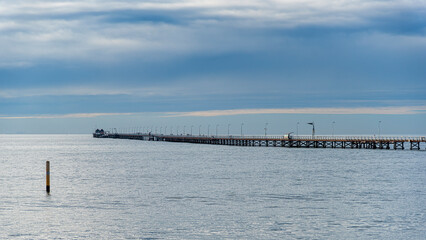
(202, 87)
(110, 30)
(288, 12)
(22, 64)
(365, 110)
(73, 115)
(76, 56)
(407, 110)
(64, 91)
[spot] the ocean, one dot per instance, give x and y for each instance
(128, 189)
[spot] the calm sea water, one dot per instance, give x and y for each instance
(124, 189)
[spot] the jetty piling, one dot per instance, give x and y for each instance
(48, 177)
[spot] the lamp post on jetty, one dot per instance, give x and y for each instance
(313, 129)
(191, 129)
(177, 130)
(379, 128)
(208, 130)
(165, 130)
(297, 129)
(184, 129)
(199, 130)
(217, 125)
(332, 125)
(242, 129)
(266, 128)
(171, 130)
(228, 128)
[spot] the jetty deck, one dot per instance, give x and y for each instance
(351, 142)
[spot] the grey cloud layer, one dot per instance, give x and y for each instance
(109, 30)
(133, 56)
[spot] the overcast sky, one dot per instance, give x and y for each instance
(70, 66)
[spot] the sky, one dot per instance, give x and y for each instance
(73, 66)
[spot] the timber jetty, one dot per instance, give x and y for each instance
(289, 141)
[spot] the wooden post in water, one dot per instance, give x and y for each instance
(48, 177)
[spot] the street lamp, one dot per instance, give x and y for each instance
(297, 129)
(228, 128)
(313, 129)
(242, 129)
(184, 130)
(177, 130)
(332, 133)
(379, 128)
(208, 130)
(199, 130)
(217, 125)
(266, 128)
(165, 130)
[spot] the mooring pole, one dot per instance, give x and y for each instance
(47, 176)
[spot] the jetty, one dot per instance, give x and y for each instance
(289, 141)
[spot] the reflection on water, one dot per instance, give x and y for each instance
(115, 189)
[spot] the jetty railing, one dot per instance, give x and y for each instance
(301, 137)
